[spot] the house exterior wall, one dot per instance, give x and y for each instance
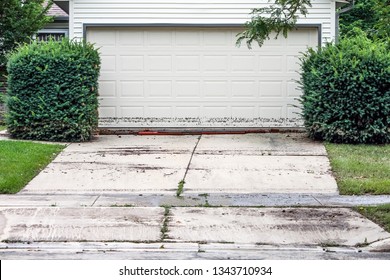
(201, 12)
(64, 25)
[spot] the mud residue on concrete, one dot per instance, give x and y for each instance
(125, 151)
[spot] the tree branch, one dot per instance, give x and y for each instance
(278, 18)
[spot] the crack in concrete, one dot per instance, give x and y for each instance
(192, 155)
(95, 200)
(182, 182)
(317, 200)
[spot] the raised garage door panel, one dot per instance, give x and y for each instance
(197, 77)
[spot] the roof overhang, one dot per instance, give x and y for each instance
(341, 3)
(63, 4)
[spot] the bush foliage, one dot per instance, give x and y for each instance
(371, 16)
(52, 91)
(346, 91)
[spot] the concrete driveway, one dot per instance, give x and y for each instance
(115, 198)
(245, 163)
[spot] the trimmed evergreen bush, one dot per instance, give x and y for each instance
(346, 91)
(52, 91)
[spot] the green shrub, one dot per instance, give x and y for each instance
(346, 91)
(52, 91)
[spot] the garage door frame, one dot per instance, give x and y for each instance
(318, 28)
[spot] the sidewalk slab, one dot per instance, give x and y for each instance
(260, 144)
(260, 163)
(275, 226)
(352, 200)
(180, 251)
(380, 246)
(19, 200)
(96, 178)
(260, 174)
(136, 164)
(137, 144)
(214, 199)
(80, 224)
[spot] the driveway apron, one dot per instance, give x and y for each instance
(249, 163)
(118, 164)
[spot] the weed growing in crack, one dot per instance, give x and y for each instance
(164, 229)
(206, 203)
(122, 205)
(180, 188)
(363, 244)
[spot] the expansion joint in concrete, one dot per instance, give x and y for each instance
(165, 224)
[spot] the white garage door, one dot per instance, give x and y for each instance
(197, 77)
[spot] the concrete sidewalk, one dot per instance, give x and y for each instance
(189, 233)
(252, 196)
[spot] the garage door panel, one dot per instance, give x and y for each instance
(159, 111)
(216, 88)
(197, 77)
(102, 37)
(292, 63)
(159, 88)
(185, 38)
(272, 89)
(187, 63)
(215, 63)
(159, 63)
(243, 64)
(131, 63)
(244, 111)
(271, 63)
(132, 88)
(215, 111)
(292, 111)
(293, 89)
(107, 88)
(108, 63)
(132, 111)
(215, 38)
(159, 38)
(187, 111)
(244, 89)
(107, 111)
(301, 38)
(187, 88)
(130, 39)
(271, 111)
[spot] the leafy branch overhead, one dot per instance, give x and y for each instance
(277, 18)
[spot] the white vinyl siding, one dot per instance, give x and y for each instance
(184, 12)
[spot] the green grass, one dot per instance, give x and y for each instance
(22, 161)
(2, 127)
(361, 169)
(378, 214)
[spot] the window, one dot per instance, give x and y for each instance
(56, 34)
